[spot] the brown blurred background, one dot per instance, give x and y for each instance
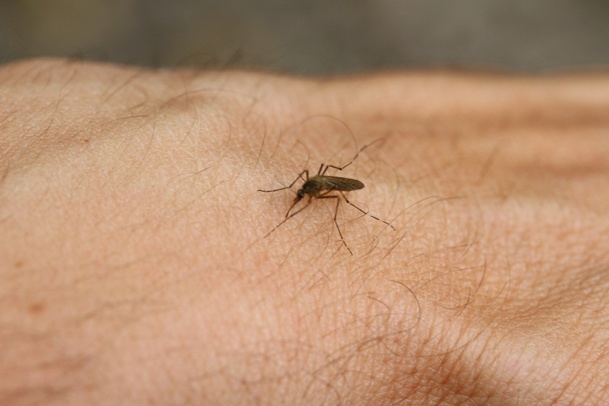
(313, 36)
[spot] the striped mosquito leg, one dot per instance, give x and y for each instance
(336, 221)
(366, 213)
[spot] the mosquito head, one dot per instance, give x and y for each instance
(299, 195)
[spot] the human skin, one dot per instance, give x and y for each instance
(134, 267)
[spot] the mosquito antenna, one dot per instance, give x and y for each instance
(288, 217)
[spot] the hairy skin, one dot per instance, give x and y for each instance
(133, 268)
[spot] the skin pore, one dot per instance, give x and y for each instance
(134, 268)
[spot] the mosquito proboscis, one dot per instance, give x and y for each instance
(320, 186)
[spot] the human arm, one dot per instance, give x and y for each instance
(135, 269)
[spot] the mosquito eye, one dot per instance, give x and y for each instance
(300, 193)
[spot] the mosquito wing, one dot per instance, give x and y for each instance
(338, 183)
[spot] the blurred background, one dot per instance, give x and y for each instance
(313, 36)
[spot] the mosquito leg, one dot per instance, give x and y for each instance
(321, 168)
(340, 168)
(336, 221)
(305, 172)
(365, 212)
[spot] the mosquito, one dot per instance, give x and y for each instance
(320, 186)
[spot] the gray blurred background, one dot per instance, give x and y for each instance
(313, 36)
